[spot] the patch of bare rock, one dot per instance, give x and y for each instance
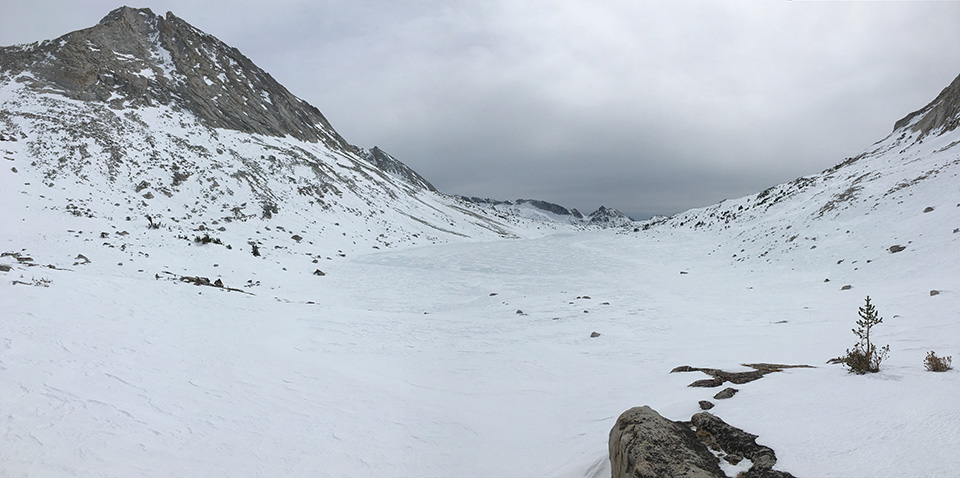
(719, 377)
(644, 444)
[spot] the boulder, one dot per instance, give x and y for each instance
(707, 383)
(726, 393)
(643, 444)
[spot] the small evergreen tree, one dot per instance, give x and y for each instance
(865, 357)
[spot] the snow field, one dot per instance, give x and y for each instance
(406, 365)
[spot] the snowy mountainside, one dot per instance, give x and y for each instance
(899, 196)
(143, 115)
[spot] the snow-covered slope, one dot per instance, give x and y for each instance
(145, 115)
(899, 196)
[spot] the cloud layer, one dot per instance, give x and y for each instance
(649, 107)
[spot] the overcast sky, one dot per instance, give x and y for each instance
(645, 106)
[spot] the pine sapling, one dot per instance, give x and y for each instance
(865, 357)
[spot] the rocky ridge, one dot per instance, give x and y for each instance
(134, 58)
(910, 172)
(393, 166)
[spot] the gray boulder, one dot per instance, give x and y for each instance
(726, 393)
(643, 444)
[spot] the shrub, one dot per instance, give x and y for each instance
(206, 239)
(937, 364)
(865, 357)
(153, 225)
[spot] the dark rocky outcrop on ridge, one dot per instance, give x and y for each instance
(608, 216)
(393, 166)
(548, 206)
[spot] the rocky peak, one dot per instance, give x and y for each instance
(393, 166)
(608, 217)
(134, 58)
(941, 115)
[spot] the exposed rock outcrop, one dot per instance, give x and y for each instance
(609, 217)
(134, 57)
(720, 377)
(726, 393)
(943, 113)
(393, 167)
(738, 444)
(643, 444)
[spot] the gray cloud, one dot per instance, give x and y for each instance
(649, 107)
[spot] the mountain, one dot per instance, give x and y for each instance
(144, 115)
(609, 217)
(135, 59)
(900, 194)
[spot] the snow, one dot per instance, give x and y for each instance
(402, 363)
(125, 56)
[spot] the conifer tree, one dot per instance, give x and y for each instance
(865, 357)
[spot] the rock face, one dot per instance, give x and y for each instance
(943, 113)
(136, 58)
(737, 443)
(546, 206)
(609, 217)
(643, 444)
(394, 167)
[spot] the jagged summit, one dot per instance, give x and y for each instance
(941, 115)
(609, 217)
(393, 166)
(134, 58)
